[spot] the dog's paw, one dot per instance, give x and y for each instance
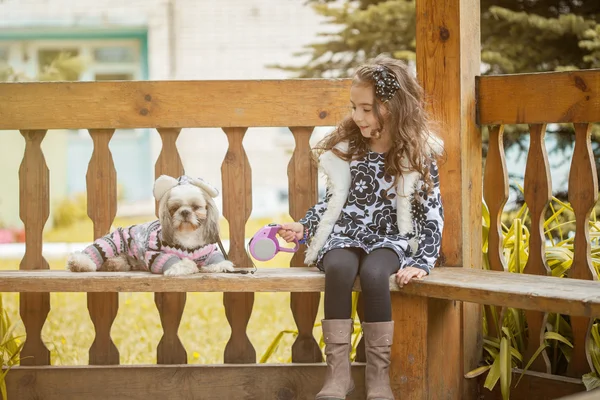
(79, 262)
(223, 266)
(183, 267)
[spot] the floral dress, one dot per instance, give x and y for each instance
(368, 219)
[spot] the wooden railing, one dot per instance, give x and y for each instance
(538, 100)
(168, 106)
(235, 106)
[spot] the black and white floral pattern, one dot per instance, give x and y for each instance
(368, 219)
(428, 222)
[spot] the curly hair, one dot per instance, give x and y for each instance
(406, 120)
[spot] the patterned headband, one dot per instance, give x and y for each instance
(187, 180)
(386, 83)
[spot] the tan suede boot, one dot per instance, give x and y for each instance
(338, 380)
(378, 340)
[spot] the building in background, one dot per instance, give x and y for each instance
(156, 40)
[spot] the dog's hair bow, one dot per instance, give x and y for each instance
(164, 183)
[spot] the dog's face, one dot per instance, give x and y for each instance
(188, 217)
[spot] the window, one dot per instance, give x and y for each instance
(115, 61)
(115, 54)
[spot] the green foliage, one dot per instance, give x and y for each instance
(70, 210)
(520, 41)
(64, 67)
(512, 325)
(516, 35)
(592, 379)
(10, 348)
(387, 27)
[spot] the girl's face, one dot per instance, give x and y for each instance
(362, 99)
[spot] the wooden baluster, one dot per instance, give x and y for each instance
(538, 192)
(101, 181)
(303, 190)
(34, 209)
(495, 193)
(583, 195)
(237, 206)
(170, 306)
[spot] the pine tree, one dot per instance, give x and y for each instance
(516, 35)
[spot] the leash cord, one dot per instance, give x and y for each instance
(243, 272)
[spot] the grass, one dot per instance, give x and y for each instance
(204, 331)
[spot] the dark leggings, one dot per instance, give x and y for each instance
(374, 269)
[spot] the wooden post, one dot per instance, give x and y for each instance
(302, 178)
(170, 306)
(101, 182)
(237, 206)
(538, 193)
(583, 195)
(446, 333)
(34, 209)
(495, 194)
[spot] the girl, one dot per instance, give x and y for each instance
(382, 215)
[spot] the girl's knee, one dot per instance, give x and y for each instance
(340, 265)
(374, 280)
(375, 277)
(339, 270)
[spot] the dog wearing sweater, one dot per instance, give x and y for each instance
(181, 242)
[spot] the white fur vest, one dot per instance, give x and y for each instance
(337, 172)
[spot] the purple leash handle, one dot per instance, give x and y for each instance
(287, 249)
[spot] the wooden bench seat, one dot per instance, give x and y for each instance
(530, 292)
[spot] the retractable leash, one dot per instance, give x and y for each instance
(263, 246)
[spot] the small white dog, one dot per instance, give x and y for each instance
(181, 242)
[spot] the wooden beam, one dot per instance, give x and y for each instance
(448, 60)
(263, 381)
(172, 104)
(572, 96)
(542, 293)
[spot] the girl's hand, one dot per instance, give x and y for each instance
(405, 275)
(291, 231)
